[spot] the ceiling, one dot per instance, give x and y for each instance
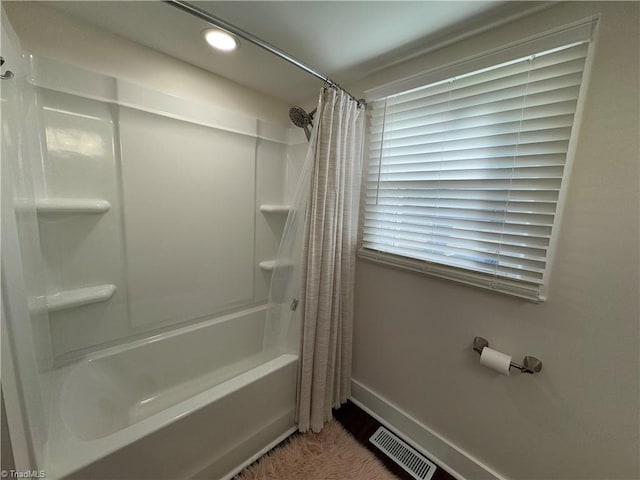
(345, 40)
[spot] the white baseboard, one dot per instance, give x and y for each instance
(451, 458)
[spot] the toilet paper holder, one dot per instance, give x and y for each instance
(529, 364)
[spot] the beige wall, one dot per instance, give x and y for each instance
(413, 334)
(45, 31)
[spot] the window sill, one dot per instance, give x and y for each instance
(529, 292)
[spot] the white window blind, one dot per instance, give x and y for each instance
(464, 175)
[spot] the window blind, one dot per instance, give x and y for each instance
(464, 174)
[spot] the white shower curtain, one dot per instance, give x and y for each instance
(328, 267)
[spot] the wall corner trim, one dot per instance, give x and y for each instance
(451, 458)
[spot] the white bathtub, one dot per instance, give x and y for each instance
(193, 403)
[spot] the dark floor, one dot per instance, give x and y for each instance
(362, 425)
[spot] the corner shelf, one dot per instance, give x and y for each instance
(71, 205)
(270, 265)
(80, 296)
(272, 208)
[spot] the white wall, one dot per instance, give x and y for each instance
(413, 334)
(47, 32)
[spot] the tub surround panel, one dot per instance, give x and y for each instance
(25, 343)
(269, 189)
(22, 179)
(56, 75)
(296, 153)
(189, 218)
(183, 236)
(81, 250)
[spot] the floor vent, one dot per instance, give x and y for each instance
(413, 462)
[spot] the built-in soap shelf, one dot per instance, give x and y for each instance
(78, 297)
(71, 205)
(271, 265)
(272, 208)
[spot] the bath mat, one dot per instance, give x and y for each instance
(332, 454)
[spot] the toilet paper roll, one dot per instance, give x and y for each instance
(495, 360)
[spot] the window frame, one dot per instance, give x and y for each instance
(583, 30)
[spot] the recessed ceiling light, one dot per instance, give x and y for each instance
(220, 39)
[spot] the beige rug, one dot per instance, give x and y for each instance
(332, 454)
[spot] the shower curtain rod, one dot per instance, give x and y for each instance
(229, 27)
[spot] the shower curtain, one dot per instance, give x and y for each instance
(328, 258)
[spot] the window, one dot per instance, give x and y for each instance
(464, 175)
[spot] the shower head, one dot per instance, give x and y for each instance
(300, 118)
